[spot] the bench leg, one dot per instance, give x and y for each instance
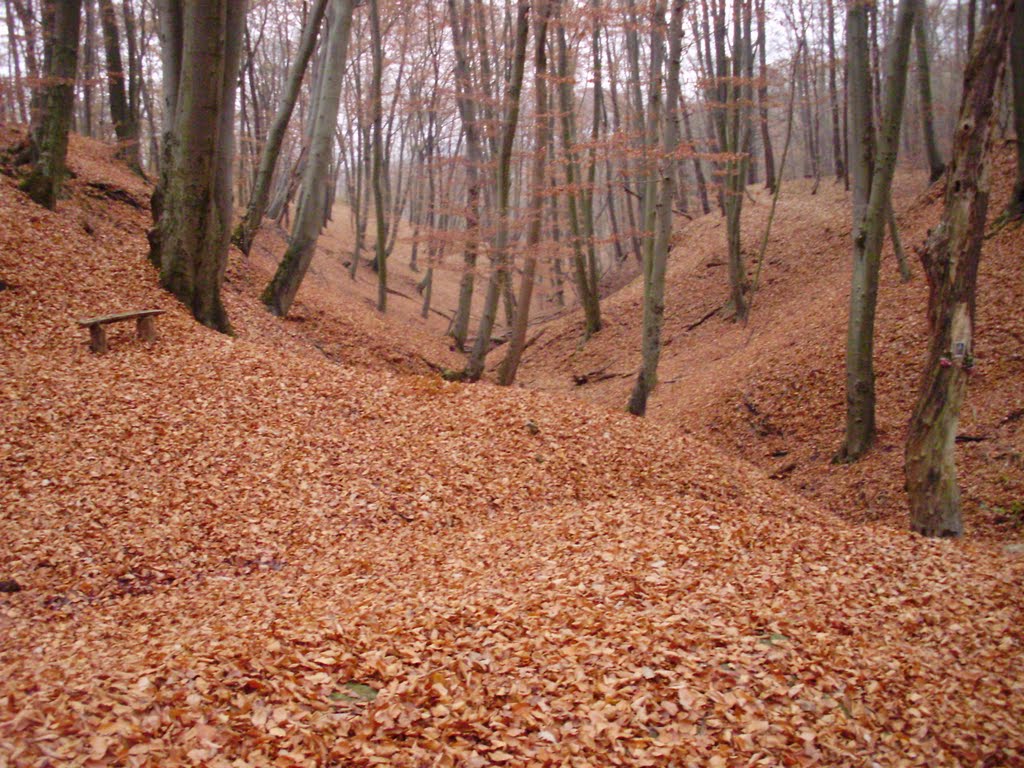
(145, 328)
(97, 339)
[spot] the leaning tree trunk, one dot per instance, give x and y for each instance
(869, 229)
(950, 259)
(924, 80)
(126, 122)
(246, 230)
(309, 216)
(49, 137)
(190, 241)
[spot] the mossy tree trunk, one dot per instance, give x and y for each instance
(190, 240)
(950, 259)
(309, 214)
(48, 140)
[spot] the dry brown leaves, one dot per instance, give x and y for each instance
(236, 553)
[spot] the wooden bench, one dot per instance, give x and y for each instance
(145, 326)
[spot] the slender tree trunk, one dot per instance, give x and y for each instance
(833, 96)
(280, 292)
(656, 254)
(246, 230)
(868, 232)
(517, 340)
(762, 99)
(88, 69)
(586, 287)
(49, 143)
(924, 80)
(377, 171)
(190, 242)
(950, 259)
(499, 267)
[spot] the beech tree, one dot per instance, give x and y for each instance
(201, 46)
(309, 217)
(122, 87)
(950, 259)
(1015, 209)
(48, 138)
(246, 230)
(872, 165)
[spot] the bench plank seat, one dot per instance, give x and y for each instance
(145, 326)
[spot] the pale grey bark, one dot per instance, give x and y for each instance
(280, 292)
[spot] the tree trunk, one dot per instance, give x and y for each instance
(280, 292)
(191, 237)
(924, 80)
(49, 140)
(245, 233)
(762, 99)
(656, 253)
(499, 267)
(1015, 209)
(869, 225)
(950, 259)
(126, 123)
(833, 96)
(517, 340)
(377, 172)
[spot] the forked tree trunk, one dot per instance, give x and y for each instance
(246, 230)
(950, 259)
(517, 341)
(49, 137)
(190, 242)
(280, 292)
(499, 262)
(869, 230)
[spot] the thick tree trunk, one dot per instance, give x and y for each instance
(869, 227)
(280, 292)
(950, 259)
(191, 237)
(250, 223)
(49, 139)
(1015, 209)
(924, 80)
(126, 122)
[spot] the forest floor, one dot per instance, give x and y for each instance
(300, 546)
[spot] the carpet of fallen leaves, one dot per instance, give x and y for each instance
(773, 392)
(235, 552)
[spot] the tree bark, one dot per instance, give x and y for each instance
(869, 227)
(924, 80)
(126, 122)
(280, 292)
(950, 259)
(49, 140)
(1015, 209)
(517, 341)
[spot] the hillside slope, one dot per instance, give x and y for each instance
(773, 392)
(235, 552)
